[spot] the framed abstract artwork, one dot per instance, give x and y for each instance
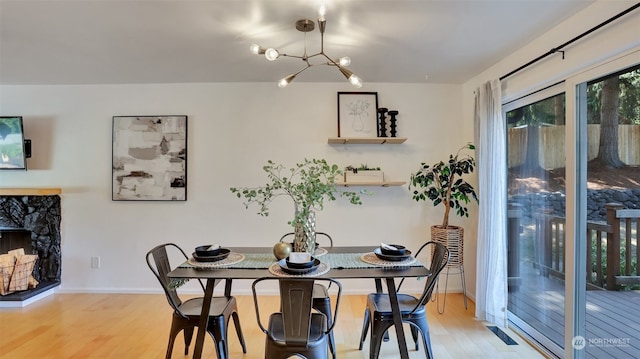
(149, 158)
(358, 114)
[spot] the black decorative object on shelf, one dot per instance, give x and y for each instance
(382, 123)
(393, 114)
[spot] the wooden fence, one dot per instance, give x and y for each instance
(613, 251)
(552, 137)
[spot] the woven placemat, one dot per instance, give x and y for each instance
(276, 270)
(372, 258)
(233, 258)
(320, 252)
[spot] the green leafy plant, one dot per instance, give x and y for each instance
(442, 183)
(362, 167)
(308, 184)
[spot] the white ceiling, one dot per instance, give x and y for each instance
(167, 41)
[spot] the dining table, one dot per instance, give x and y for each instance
(338, 262)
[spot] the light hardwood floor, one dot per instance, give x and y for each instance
(137, 326)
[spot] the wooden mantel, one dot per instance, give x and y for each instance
(30, 191)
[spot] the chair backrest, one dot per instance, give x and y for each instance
(296, 295)
(321, 234)
(439, 259)
(158, 262)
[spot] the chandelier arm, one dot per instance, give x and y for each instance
(294, 56)
(331, 62)
(318, 54)
(306, 67)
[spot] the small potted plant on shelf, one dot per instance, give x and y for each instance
(307, 184)
(443, 183)
(363, 174)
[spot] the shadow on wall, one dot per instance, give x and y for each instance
(39, 129)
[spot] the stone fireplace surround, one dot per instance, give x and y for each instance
(38, 212)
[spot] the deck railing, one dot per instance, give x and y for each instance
(613, 251)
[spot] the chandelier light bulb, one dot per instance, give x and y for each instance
(355, 81)
(282, 83)
(344, 61)
(285, 81)
(255, 49)
(271, 54)
(322, 11)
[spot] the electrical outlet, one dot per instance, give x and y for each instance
(95, 262)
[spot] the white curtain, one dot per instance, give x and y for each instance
(491, 268)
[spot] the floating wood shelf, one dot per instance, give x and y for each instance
(30, 191)
(379, 184)
(365, 141)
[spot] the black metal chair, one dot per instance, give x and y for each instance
(186, 315)
(378, 316)
(321, 299)
(296, 329)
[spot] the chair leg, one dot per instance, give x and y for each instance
(188, 334)
(236, 323)
(365, 327)
(414, 335)
(332, 342)
(378, 330)
(175, 330)
(219, 334)
(422, 325)
(324, 307)
(172, 337)
(221, 349)
(218, 343)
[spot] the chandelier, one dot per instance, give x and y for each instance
(305, 26)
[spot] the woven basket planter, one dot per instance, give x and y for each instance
(451, 237)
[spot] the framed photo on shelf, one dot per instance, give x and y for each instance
(149, 158)
(358, 114)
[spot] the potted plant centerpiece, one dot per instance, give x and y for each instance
(443, 183)
(308, 184)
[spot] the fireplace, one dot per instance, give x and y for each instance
(30, 219)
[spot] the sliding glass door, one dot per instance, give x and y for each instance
(574, 213)
(612, 297)
(536, 199)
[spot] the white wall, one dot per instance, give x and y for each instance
(233, 129)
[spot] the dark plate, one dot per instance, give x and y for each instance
(224, 253)
(287, 269)
(203, 251)
(303, 265)
(398, 252)
(392, 258)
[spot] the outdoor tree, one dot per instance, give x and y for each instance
(542, 113)
(609, 104)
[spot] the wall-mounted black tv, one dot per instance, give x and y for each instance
(12, 144)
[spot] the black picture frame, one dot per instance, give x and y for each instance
(357, 114)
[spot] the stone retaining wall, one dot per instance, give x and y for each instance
(596, 199)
